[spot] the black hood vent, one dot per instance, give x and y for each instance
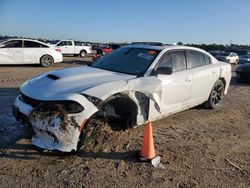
(53, 77)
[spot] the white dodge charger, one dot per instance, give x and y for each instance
(134, 84)
(27, 51)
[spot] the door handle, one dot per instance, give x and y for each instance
(188, 79)
(213, 72)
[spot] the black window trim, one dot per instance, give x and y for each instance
(40, 44)
(163, 55)
(12, 41)
(210, 60)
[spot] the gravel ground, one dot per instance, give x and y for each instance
(198, 147)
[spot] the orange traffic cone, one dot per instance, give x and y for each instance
(147, 150)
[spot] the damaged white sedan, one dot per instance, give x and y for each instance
(134, 84)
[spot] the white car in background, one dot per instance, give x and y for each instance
(70, 47)
(229, 57)
(134, 84)
(27, 51)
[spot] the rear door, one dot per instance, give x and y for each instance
(176, 87)
(32, 51)
(204, 75)
(11, 52)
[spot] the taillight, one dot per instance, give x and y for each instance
(58, 49)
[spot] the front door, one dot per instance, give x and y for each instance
(176, 88)
(12, 52)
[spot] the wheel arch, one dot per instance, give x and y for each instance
(129, 105)
(47, 54)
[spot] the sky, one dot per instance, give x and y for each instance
(167, 21)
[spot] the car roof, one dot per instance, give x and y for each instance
(27, 40)
(166, 47)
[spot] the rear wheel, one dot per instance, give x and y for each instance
(83, 53)
(216, 96)
(46, 60)
(236, 62)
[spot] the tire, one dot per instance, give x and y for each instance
(215, 99)
(83, 53)
(46, 61)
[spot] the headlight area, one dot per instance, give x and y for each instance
(71, 107)
(96, 101)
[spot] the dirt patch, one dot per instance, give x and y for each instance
(97, 136)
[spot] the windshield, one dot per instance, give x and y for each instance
(134, 61)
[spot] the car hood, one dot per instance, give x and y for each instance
(75, 80)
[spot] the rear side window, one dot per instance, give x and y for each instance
(207, 59)
(32, 44)
(197, 59)
(176, 60)
(13, 44)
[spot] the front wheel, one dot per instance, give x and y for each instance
(46, 60)
(215, 99)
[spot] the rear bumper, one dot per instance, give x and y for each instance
(58, 58)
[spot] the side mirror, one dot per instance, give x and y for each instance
(164, 70)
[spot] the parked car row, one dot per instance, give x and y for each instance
(103, 50)
(232, 57)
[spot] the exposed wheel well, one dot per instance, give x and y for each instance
(223, 80)
(83, 51)
(120, 110)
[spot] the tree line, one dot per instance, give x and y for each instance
(207, 47)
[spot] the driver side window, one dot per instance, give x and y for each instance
(62, 43)
(175, 59)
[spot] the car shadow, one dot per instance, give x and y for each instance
(77, 60)
(29, 152)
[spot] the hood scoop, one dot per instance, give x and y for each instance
(53, 77)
